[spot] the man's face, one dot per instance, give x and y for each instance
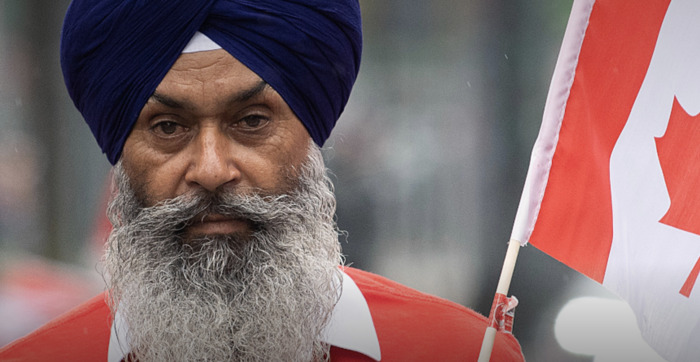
(224, 245)
(213, 124)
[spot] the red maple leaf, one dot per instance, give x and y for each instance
(679, 156)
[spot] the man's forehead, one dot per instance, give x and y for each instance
(186, 100)
(201, 52)
(211, 74)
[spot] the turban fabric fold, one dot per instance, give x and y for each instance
(115, 53)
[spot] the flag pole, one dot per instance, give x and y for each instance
(500, 300)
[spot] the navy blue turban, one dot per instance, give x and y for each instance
(115, 53)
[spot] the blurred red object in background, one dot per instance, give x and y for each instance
(34, 290)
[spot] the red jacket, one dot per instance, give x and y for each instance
(410, 326)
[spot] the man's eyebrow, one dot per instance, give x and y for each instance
(238, 97)
(249, 93)
(170, 102)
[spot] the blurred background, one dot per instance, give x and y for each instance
(429, 160)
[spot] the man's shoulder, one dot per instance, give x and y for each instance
(80, 334)
(412, 323)
(389, 291)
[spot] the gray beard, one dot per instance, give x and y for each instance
(264, 296)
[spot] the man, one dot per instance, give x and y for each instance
(224, 245)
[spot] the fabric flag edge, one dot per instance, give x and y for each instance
(555, 105)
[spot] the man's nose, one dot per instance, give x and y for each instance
(212, 163)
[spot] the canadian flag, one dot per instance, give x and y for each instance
(613, 188)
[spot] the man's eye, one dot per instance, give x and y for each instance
(166, 127)
(252, 122)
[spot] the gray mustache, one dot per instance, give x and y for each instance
(177, 213)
